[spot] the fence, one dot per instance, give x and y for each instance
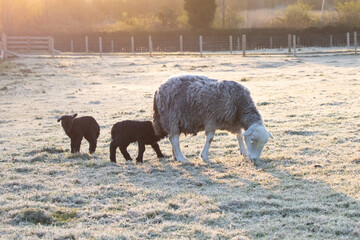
(278, 44)
(200, 44)
(15, 46)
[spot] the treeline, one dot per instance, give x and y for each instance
(79, 16)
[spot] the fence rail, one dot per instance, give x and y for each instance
(191, 44)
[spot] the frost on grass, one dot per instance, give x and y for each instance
(305, 187)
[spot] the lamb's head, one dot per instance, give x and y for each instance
(256, 136)
(67, 122)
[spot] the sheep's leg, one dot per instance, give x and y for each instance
(156, 148)
(113, 146)
(139, 158)
(125, 152)
(240, 139)
(205, 151)
(174, 139)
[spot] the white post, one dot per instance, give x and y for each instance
(72, 46)
(348, 39)
(355, 42)
(28, 44)
(231, 44)
(271, 42)
(86, 44)
(294, 44)
(244, 45)
(331, 40)
(51, 39)
(4, 41)
(112, 46)
(132, 45)
(181, 44)
(238, 44)
(201, 45)
(150, 46)
(100, 46)
(289, 42)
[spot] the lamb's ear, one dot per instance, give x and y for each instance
(59, 119)
(74, 116)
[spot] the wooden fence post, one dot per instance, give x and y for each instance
(100, 46)
(289, 42)
(86, 44)
(28, 45)
(231, 44)
(244, 45)
(132, 45)
(348, 40)
(112, 46)
(181, 44)
(4, 41)
(201, 45)
(72, 46)
(331, 40)
(294, 44)
(150, 46)
(271, 42)
(355, 42)
(238, 43)
(51, 46)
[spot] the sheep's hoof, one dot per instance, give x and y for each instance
(183, 160)
(205, 159)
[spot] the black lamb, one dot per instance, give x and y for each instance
(126, 132)
(77, 128)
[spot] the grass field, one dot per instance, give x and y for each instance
(306, 186)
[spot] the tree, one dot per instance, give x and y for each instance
(297, 16)
(349, 13)
(201, 13)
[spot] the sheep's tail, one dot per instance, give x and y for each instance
(113, 133)
(159, 131)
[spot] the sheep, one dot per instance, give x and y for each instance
(125, 132)
(77, 128)
(190, 103)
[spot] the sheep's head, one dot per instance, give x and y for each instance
(67, 122)
(256, 136)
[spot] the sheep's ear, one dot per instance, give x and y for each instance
(74, 116)
(248, 132)
(59, 119)
(270, 135)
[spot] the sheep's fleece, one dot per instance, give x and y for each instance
(189, 104)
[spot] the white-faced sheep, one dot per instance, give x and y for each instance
(126, 132)
(189, 104)
(77, 128)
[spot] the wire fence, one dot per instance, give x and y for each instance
(277, 44)
(204, 43)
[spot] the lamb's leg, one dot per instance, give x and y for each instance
(139, 158)
(92, 146)
(113, 146)
(75, 145)
(156, 148)
(92, 142)
(205, 151)
(174, 139)
(240, 139)
(125, 152)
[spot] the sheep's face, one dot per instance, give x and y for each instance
(255, 138)
(67, 122)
